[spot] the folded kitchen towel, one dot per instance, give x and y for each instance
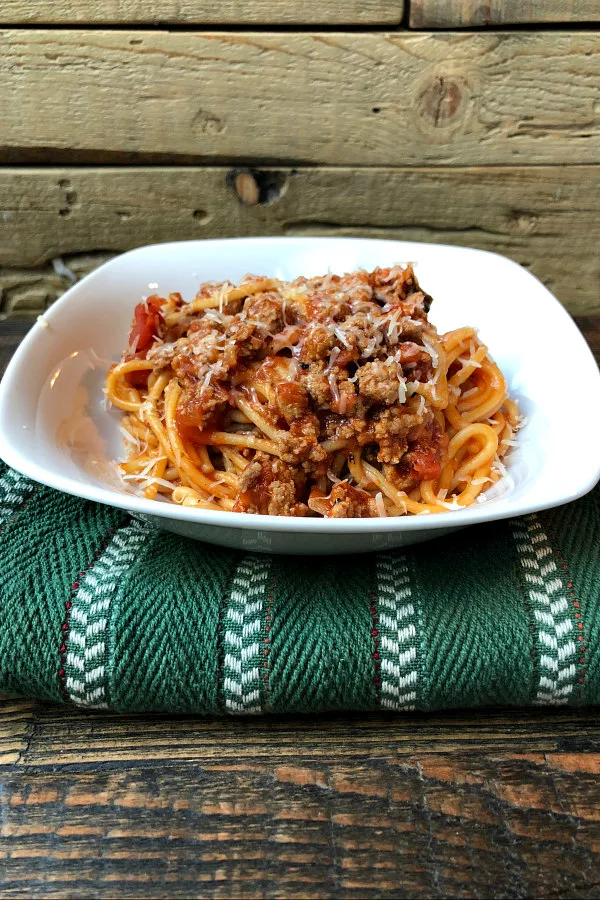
(100, 610)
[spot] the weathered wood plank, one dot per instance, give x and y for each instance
(354, 806)
(197, 12)
(475, 13)
(546, 218)
(339, 98)
(67, 737)
(439, 826)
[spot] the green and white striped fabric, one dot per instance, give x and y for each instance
(101, 611)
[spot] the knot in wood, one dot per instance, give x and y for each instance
(440, 101)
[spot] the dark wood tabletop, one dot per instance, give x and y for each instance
(499, 803)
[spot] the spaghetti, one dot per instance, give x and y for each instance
(330, 396)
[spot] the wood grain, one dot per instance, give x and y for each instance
(381, 99)
(440, 806)
(197, 12)
(546, 218)
(447, 805)
(475, 13)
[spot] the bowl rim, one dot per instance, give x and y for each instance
(502, 508)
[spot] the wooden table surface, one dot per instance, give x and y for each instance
(500, 803)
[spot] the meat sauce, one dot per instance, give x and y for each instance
(331, 365)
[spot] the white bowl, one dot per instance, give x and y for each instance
(55, 429)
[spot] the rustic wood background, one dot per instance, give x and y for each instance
(125, 122)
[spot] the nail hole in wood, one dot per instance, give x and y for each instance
(201, 216)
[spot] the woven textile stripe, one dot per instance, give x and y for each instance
(551, 609)
(397, 625)
(242, 623)
(86, 661)
(14, 490)
(577, 531)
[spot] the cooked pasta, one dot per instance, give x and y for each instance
(330, 396)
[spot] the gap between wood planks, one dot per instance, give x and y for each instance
(293, 27)
(297, 28)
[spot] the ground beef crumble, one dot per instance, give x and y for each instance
(270, 487)
(348, 351)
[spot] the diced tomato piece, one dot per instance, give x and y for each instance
(138, 379)
(426, 464)
(147, 320)
(427, 451)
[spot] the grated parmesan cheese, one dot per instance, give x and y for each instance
(381, 510)
(451, 506)
(401, 389)
(342, 337)
(333, 388)
(145, 408)
(144, 479)
(335, 352)
(499, 467)
(435, 357)
(158, 482)
(469, 362)
(130, 438)
(470, 392)
(393, 327)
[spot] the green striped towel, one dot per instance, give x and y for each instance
(99, 610)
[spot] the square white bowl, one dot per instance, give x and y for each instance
(54, 426)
